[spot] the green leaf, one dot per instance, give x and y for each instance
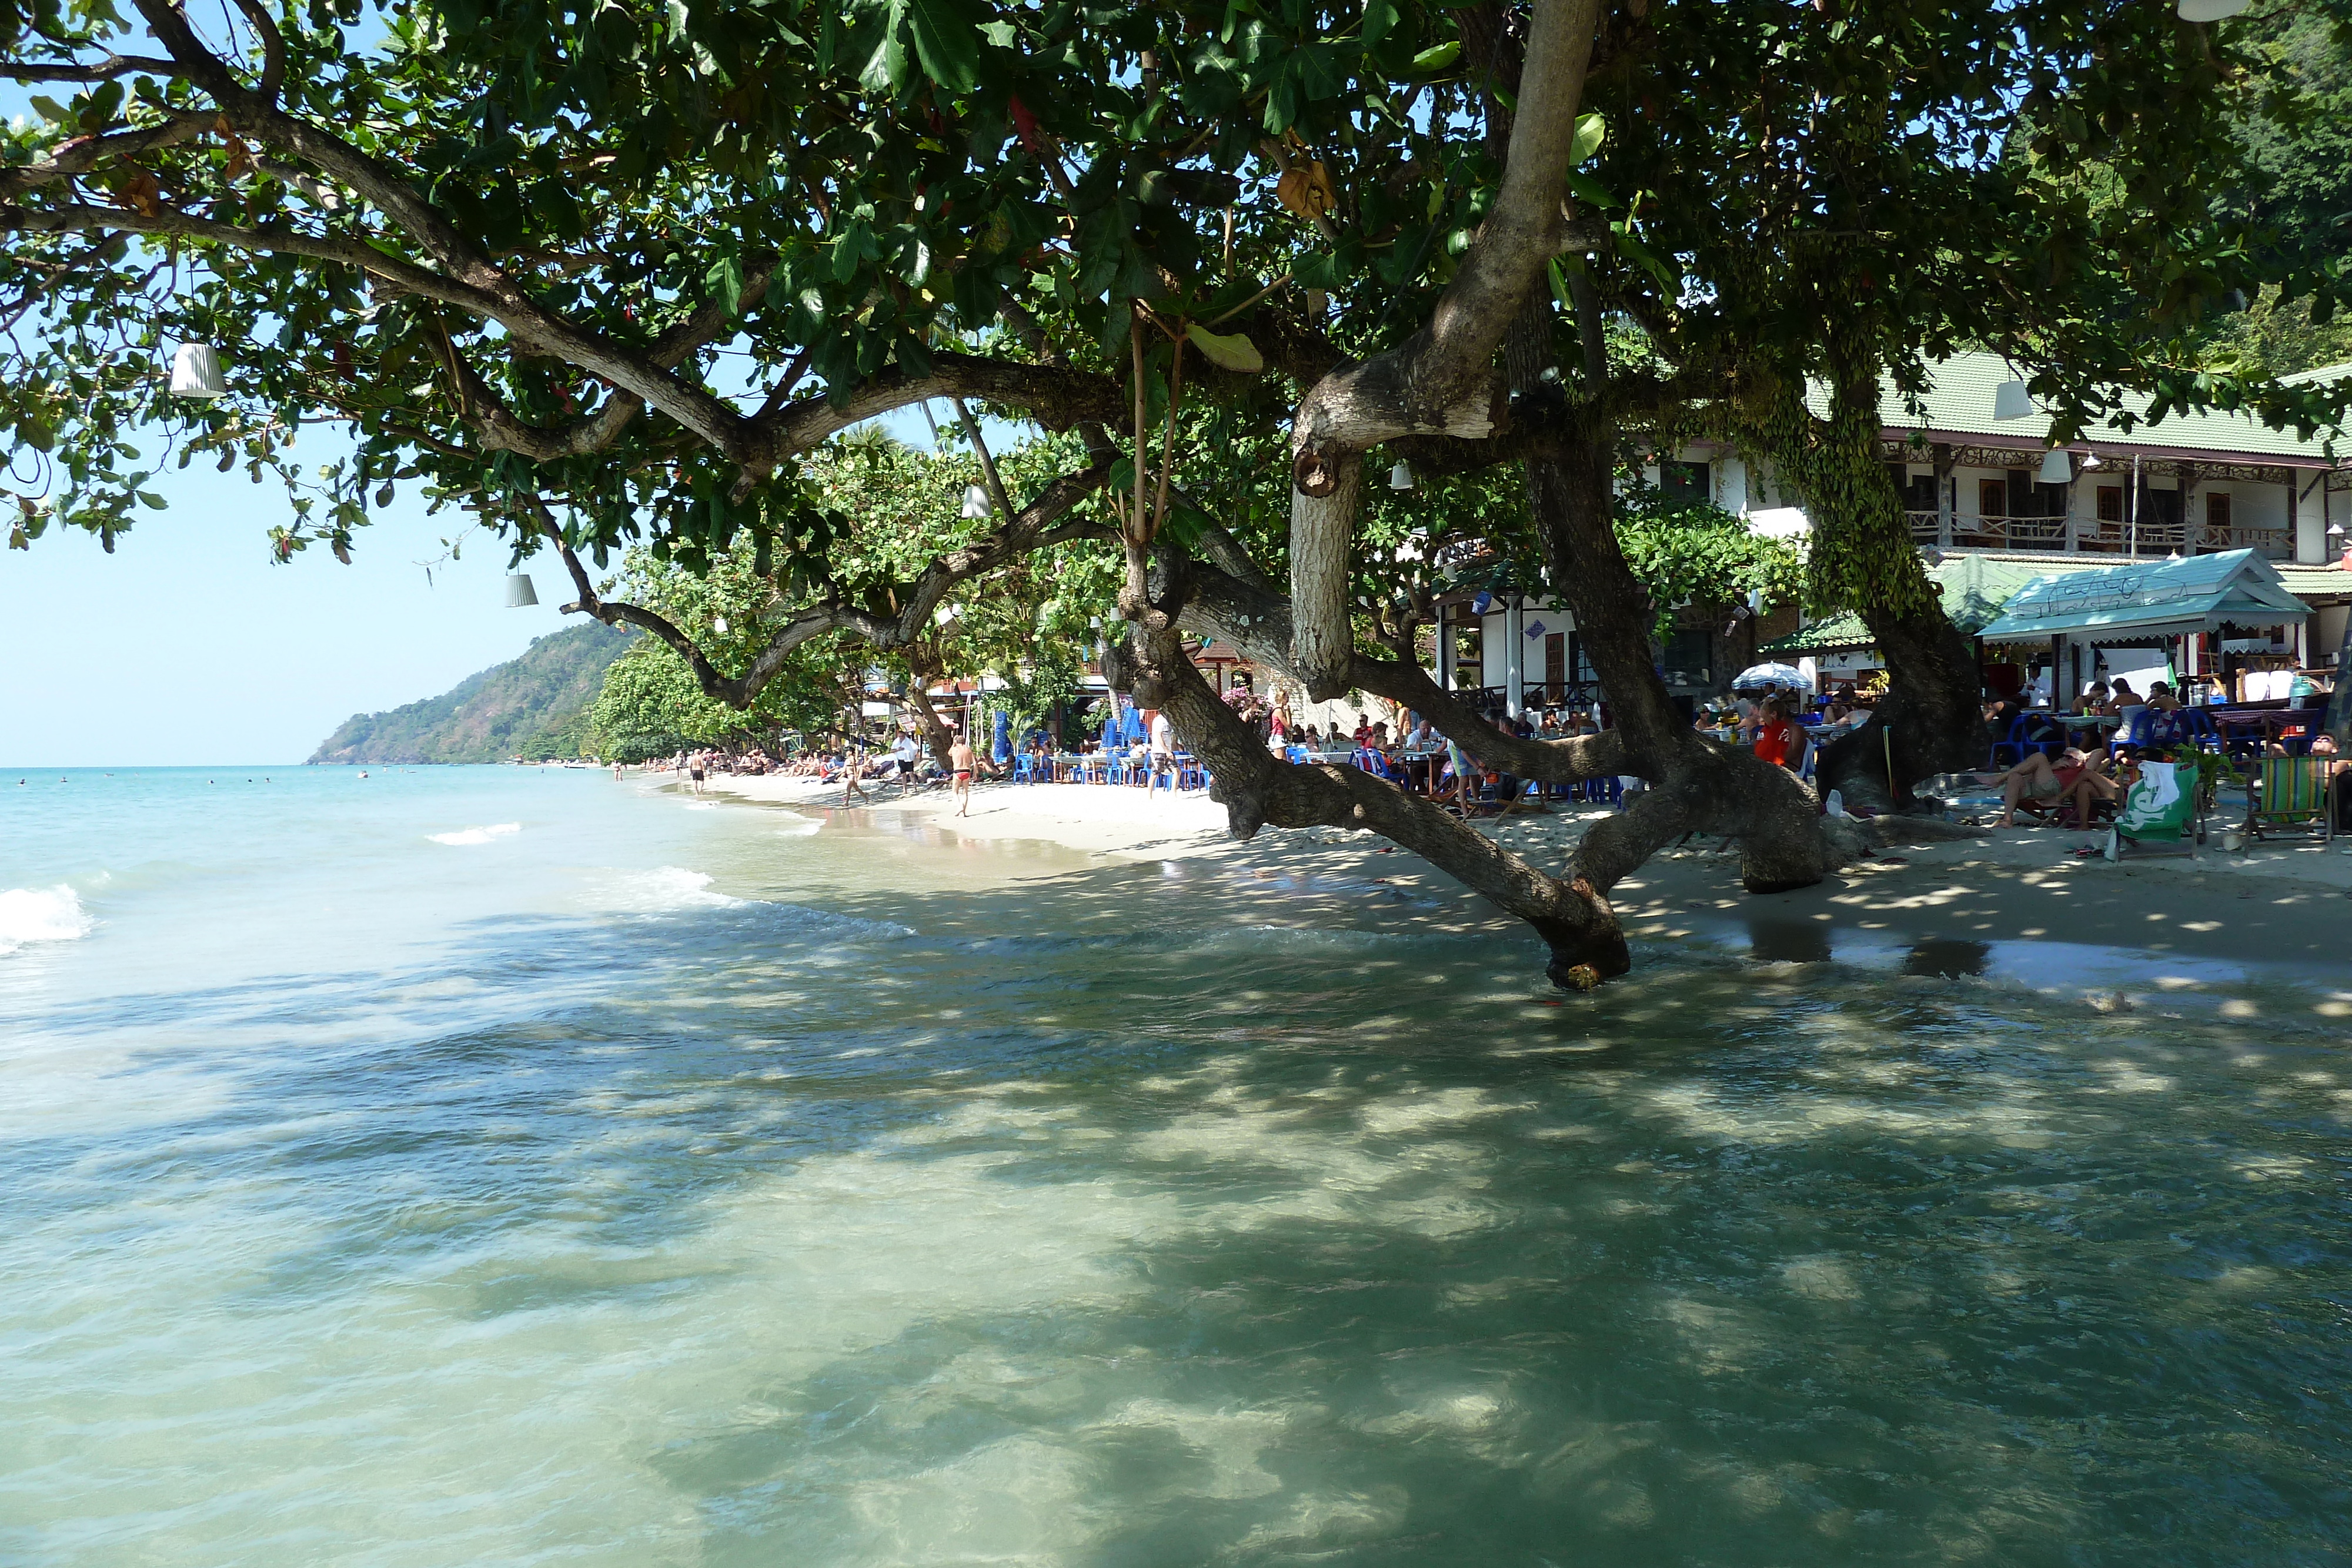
(153, 502)
(1316, 269)
(50, 109)
(1436, 57)
(1591, 191)
(888, 67)
(1184, 525)
(1231, 352)
(725, 278)
(1379, 17)
(947, 40)
(1641, 255)
(1590, 133)
(1560, 285)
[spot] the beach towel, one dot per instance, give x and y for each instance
(2157, 810)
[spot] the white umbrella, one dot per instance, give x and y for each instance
(1758, 677)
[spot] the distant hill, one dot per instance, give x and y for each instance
(535, 706)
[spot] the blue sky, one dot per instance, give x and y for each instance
(188, 646)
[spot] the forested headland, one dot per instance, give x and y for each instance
(535, 707)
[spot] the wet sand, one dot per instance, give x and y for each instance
(2286, 900)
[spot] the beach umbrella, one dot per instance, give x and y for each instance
(1761, 678)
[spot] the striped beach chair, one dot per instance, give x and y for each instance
(2293, 792)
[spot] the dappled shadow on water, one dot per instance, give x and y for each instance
(1161, 1217)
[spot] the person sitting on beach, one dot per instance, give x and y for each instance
(2076, 773)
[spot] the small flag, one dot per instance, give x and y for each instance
(1535, 627)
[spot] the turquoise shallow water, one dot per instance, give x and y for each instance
(486, 1165)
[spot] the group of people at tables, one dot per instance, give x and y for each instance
(1775, 725)
(2083, 781)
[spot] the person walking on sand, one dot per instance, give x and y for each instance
(694, 772)
(852, 766)
(963, 759)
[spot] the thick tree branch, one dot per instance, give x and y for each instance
(104, 70)
(82, 155)
(1442, 380)
(1056, 396)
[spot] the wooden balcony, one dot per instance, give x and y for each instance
(2048, 535)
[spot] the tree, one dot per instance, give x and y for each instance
(609, 277)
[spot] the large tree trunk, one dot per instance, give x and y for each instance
(1930, 722)
(1257, 789)
(920, 672)
(1695, 785)
(1931, 714)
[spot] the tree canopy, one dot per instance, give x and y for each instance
(609, 277)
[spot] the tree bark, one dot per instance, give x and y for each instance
(1932, 712)
(1695, 785)
(1257, 791)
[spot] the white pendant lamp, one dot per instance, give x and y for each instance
(520, 592)
(2211, 10)
(196, 372)
(2056, 468)
(2011, 400)
(975, 502)
(1401, 477)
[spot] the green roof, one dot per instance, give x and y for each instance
(2165, 597)
(1959, 402)
(1974, 588)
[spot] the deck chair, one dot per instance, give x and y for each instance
(2157, 810)
(2293, 792)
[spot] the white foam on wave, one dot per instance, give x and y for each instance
(800, 826)
(30, 915)
(664, 888)
(477, 835)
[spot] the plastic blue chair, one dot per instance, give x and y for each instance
(2017, 745)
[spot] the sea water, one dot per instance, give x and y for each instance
(505, 1167)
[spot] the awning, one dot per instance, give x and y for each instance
(2157, 599)
(1974, 590)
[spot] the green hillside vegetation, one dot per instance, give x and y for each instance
(535, 706)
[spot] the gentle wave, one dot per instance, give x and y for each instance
(664, 888)
(477, 835)
(41, 914)
(801, 827)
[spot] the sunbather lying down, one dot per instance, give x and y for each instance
(2077, 776)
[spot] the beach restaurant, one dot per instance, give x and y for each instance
(2143, 618)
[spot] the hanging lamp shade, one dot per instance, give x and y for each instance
(2211, 10)
(520, 594)
(975, 502)
(196, 372)
(2056, 467)
(1483, 603)
(1401, 477)
(2010, 400)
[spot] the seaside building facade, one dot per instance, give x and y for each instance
(1974, 461)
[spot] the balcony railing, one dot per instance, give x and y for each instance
(2094, 537)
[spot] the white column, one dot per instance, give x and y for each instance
(1514, 654)
(1446, 647)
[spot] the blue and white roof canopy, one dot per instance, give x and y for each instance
(2152, 599)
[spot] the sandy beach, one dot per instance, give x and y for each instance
(2279, 901)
